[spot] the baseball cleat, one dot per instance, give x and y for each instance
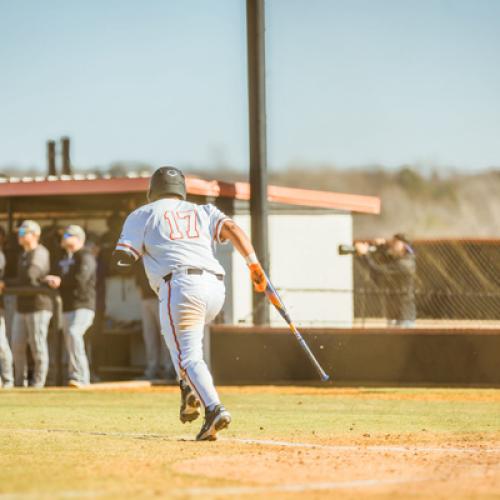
(216, 420)
(190, 404)
(75, 384)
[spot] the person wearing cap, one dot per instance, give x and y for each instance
(75, 277)
(6, 368)
(395, 273)
(30, 325)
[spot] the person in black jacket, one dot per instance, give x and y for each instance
(75, 278)
(33, 313)
(395, 273)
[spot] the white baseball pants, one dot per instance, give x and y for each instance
(187, 303)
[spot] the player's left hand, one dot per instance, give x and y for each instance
(258, 277)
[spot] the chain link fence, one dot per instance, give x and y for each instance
(457, 283)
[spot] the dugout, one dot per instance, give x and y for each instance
(305, 228)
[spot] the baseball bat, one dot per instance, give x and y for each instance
(276, 301)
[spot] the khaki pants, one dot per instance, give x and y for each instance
(31, 329)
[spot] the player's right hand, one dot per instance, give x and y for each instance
(258, 277)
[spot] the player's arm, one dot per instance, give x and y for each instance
(130, 243)
(122, 261)
(230, 231)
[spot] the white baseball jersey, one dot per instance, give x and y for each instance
(171, 234)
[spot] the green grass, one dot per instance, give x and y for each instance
(49, 441)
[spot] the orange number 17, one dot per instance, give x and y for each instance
(182, 224)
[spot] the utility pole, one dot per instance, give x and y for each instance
(258, 152)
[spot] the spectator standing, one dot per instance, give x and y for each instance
(33, 313)
(158, 361)
(396, 275)
(6, 369)
(75, 277)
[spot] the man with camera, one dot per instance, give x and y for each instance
(393, 267)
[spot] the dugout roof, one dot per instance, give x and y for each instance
(89, 193)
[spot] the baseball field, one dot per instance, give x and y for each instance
(284, 442)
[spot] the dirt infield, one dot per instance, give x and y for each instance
(284, 442)
(418, 470)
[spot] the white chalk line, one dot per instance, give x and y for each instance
(270, 442)
(291, 488)
(228, 490)
(374, 448)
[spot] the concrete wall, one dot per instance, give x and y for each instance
(314, 281)
(380, 357)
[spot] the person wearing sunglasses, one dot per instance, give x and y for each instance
(30, 325)
(75, 277)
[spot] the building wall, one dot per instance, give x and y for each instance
(313, 280)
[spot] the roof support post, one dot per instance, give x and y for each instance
(10, 217)
(257, 132)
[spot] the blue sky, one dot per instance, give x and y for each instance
(350, 82)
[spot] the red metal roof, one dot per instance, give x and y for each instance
(79, 185)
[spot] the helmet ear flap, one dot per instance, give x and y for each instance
(149, 196)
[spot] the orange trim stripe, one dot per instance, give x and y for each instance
(176, 340)
(129, 247)
(195, 186)
(173, 327)
(217, 228)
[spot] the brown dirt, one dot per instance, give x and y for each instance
(447, 473)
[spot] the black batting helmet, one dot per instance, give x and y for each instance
(166, 180)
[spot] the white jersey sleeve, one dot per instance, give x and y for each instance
(217, 219)
(132, 236)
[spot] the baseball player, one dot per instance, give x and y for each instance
(176, 240)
